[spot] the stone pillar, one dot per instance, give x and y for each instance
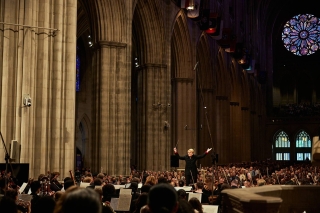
(112, 101)
(185, 116)
(38, 60)
(154, 144)
(223, 128)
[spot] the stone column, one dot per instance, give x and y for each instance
(38, 61)
(223, 128)
(154, 144)
(112, 101)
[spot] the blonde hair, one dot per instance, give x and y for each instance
(151, 180)
(191, 150)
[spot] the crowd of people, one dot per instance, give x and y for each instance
(299, 110)
(151, 191)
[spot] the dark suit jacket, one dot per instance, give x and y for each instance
(191, 162)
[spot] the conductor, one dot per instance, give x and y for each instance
(190, 171)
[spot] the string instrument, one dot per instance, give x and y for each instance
(72, 177)
(45, 186)
(55, 185)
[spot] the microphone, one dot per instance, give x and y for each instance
(195, 66)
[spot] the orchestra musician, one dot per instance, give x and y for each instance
(191, 171)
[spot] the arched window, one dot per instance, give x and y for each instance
(303, 146)
(282, 140)
(282, 146)
(77, 71)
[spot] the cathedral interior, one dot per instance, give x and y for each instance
(108, 85)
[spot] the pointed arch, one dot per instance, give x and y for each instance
(146, 21)
(181, 48)
(106, 17)
(235, 88)
(302, 145)
(84, 128)
(221, 74)
(281, 145)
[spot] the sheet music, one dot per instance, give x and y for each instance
(210, 208)
(124, 200)
(114, 203)
(25, 197)
(118, 186)
(185, 188)
(98, 187)
(125, 191)
(196, 195)
(23, 186)
(84, 185)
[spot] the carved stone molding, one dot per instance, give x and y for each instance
(221, 98)
(103, 44)
(234, 103)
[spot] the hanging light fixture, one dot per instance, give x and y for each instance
(213, 24)
(191, 5)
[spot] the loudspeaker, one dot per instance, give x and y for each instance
(15, 151)
(174, 161)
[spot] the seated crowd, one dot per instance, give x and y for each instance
(151, 191)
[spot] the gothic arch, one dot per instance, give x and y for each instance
(83, 138)
(235, 86)
(181, 48)
(106, 17)
(147, 22)
(221, 75)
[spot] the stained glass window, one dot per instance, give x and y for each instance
(282, 156)
(303, 156)
(282, 140)
(303, 140)
(77, 72)
(301, 34)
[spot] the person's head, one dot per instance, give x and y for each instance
(151, 180)
(45, 204)
(12, 193)
(57, 195)
(162, 180)
(185, 207)
(66, 179)
(101, 176)
(145, 188)
(2, 183)
(35, 187)
(182, 194)
(195, 203)
(234, 183)
(141, 201)
(68, 183)
(163, 198)
(200, 185)
(134, 187)
(190, 152)
(80, 200)
(87, 180)
(181, 183)
(8, 205)
(97, 182)
(108, 190)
